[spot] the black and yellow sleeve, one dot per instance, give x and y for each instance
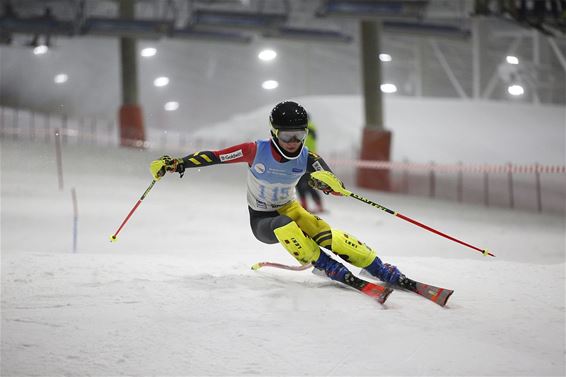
(316, 163)
(199, 159)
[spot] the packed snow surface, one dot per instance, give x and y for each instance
(175, 294)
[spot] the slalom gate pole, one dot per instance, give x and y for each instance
(75, 218)
(367, 201)
(113, 237)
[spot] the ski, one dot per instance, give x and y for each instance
(437, 295)
(375, 291)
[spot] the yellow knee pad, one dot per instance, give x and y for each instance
(351, 250)
(302, 248)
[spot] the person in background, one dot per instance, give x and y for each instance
(303, 187)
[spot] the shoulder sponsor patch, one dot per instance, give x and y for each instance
(231, 156)
(317, 166)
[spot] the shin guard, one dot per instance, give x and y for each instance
(301, 247)
(351, 250)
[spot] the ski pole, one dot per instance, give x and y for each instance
(401, 216)
(113, 237)
(259, 265)
(330, 179)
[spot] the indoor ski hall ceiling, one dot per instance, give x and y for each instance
(209, 52)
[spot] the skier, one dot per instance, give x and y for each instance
(303, 187)
(275, 167)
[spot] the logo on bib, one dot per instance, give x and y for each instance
(260, 168)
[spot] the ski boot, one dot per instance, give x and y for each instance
(338, 272)
(385, 272)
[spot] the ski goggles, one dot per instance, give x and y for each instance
(288, 136)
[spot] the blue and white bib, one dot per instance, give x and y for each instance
(271, 184)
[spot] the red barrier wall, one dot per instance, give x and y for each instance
(376, 146)
(132, 133)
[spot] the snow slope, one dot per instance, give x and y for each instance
(175, 295)
(425, 129)
(437, 130)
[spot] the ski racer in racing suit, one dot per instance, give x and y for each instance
(275, 167)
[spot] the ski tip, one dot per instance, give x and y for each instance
(383, 297)
(113, 238)
(446, 296)
(256, 266)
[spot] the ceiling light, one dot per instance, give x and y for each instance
(60, 78)
(250, 20)
(269, 84)
(161, 81)
(388, 88)
(171, 106)
(426, 29)
(40, 50)
(148, 52)
(512, 59)
(369, 9)
(307, 34)
(267, 55)
(385, 57)
(191, 32)
(516, 90)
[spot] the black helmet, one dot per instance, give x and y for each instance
(288, 115)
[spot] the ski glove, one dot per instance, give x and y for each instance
(319, 185)
(166, 164)
(328, 183)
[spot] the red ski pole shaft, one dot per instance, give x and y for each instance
(415, 222)
(113, 237)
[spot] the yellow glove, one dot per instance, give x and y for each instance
(328, 183)
(166, 164)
